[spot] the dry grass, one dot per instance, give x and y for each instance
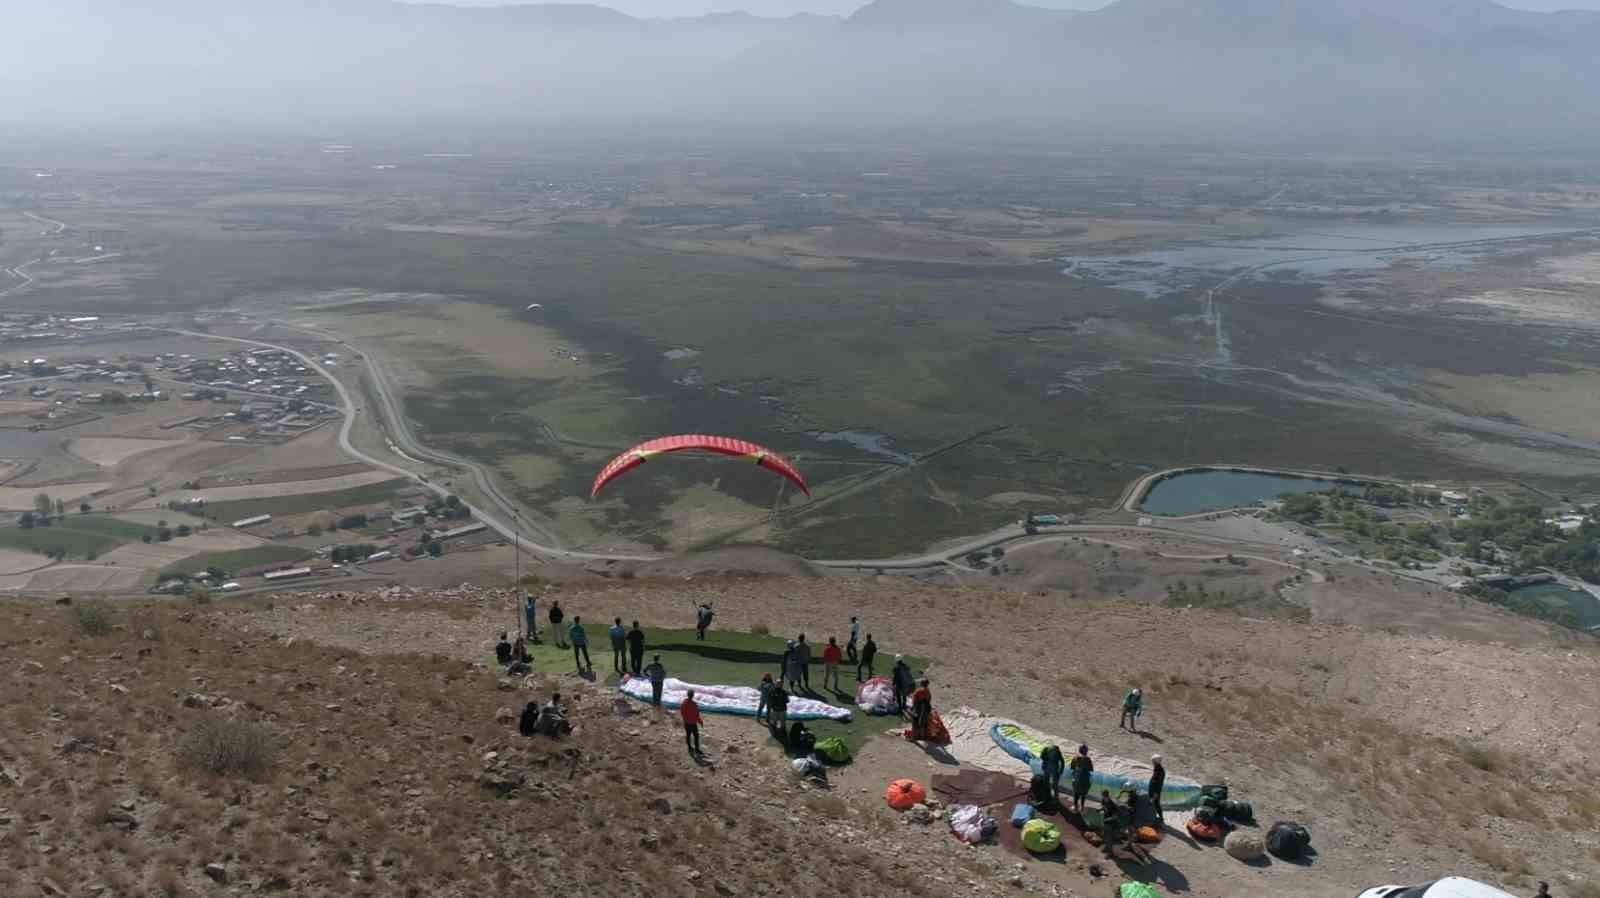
(334, 774)
(92, 619)
(227, 747)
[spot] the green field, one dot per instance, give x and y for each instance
(300, 503)
(80, 536)
(236, 559)
(728, 659)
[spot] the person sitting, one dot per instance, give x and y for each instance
(502, 649)
(553, 718)
(529, 723)
(801, 740)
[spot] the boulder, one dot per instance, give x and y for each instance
(1244, 846)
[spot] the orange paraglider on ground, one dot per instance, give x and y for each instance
(644, 452)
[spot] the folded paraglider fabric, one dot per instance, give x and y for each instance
(1109, 773)
(1147, 835)
(741, 700)
(902, 795)
(1137, 890)
(876, 696)
(971, 825)
(1040, 836)
(1205, 832)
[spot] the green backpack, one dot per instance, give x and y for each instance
(833, 750)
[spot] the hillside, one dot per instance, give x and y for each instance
(395, 767)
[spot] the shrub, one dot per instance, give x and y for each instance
(760, 630)
(227, 747)
(92, 619)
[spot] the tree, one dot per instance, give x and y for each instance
(314, 530)
(453, 501)
(61, 509)
(165, 535)
(43, 504)
(83, 507)
(184, 530)
(146, 537)
(25, 521)
(352, 522)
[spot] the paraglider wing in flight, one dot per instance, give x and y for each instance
(644, 452)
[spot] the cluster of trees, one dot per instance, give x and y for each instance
(1516, 532)
(355, 552)
(1529, 607)
(432, 548)
(1419, 542)
(450, 508)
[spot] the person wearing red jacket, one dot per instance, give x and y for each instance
(831, 656)
(691, 723)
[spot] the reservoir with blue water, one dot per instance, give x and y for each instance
(1195, 492)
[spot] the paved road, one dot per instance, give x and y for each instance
(350, 409)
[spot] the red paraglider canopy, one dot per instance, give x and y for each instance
(643, 452)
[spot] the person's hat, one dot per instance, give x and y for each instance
(1138, 691)
(899, 657)
(1155, 759)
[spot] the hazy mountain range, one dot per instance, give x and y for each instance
(1458, 68)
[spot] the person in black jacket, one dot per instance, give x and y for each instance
(530, 718)
(904, 682)
(1054, 765)
(559, 637)
(635, 648)
(1158, 781)
(502, 649)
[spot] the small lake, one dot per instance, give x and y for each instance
(1555, 595)
(1201, 491)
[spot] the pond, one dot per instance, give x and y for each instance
(1200, 491)
(1555, 595)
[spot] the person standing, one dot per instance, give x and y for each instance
(903, 682)
(702, 620)
(1053, 764)
(869, 651)
(1132, 707)
(1082, 775)
(761, 707)
(778, 711)
(855, 635)
(635, 648)
(691, 723)
(831, 656)
(580, 644)
(921, 711)
(530, 610)
(1158, 781)
(658, 676)
(557, 634)
(802, 651)
(619, 645)
(791, 665)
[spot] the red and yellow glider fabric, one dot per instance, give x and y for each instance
(644, 452)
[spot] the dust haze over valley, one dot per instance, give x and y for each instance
(1244, 351)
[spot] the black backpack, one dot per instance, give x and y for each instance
(1239, 811)
(1207, 814)
(1039, 792)
(1288, 840)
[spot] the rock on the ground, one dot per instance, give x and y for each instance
(217, 872)
(1244, 846)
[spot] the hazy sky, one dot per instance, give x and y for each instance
(840, 7)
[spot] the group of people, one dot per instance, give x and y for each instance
(627, 644)
(1117, 817)
(548, 720)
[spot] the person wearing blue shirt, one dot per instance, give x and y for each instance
(619, 645)
(580, 643)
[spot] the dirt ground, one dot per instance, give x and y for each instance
(1344, 729)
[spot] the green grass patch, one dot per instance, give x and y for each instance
(301, 503)
(728, 658)
(79, 536)
(236, 559)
